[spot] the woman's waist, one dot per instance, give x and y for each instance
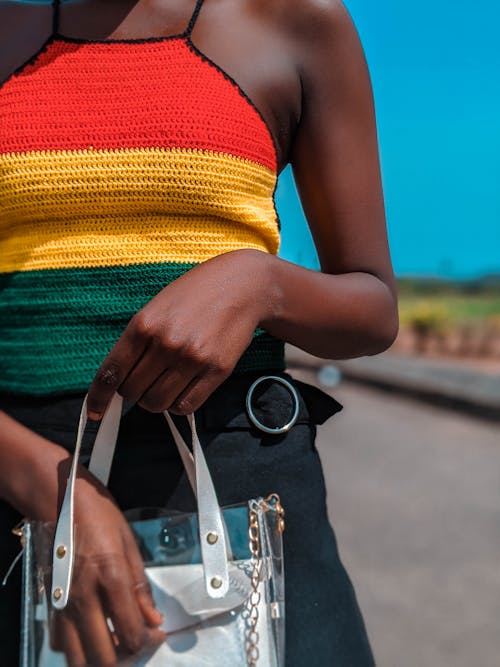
(57, 326)
(267, 399)
(45, 361)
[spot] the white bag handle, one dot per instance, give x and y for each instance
(213, 538)
(103, 450)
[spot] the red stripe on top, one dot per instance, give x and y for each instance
(129, 95)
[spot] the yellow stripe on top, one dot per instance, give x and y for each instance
(84, 208)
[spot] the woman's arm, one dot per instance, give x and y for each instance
(350, 309)
(29, 470)
(33, 473)
(187, 340)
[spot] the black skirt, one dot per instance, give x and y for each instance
(324, 626)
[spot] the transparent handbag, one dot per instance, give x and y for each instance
(216, 574)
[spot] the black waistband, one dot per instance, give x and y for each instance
(226, 408)
(272, 404)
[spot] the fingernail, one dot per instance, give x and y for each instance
(156, 636)
(95, 416)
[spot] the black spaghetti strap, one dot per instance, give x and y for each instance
(55, 16)
(193, 18)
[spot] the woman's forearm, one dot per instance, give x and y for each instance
(29, 468)
(187, 340)
(332, 316)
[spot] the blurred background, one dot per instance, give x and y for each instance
(412, 463)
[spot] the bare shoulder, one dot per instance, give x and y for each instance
(302, 21)
(329, 54)
(324, 37)
(315, 22)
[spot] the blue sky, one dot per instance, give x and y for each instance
(435, 69)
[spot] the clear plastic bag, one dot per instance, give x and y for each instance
(244, 627)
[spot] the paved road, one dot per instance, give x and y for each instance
(414, 496)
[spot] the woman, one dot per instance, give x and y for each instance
(140, 146)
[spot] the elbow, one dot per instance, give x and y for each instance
(385, 329)
(388, 333)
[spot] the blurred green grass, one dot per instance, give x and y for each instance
(459, 308)
(462, 302)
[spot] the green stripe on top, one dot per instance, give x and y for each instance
(57, 326)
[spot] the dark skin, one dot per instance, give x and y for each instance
(302, 64)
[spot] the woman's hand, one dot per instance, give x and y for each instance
(181, 346)
(108, 582)
(108, 575)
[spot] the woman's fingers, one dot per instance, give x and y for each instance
(197, 392)
(128, 622)
(186, 386)
(108, 587)
(154, 361)
(158, 378)
(141, 586)
(113, 371)
(164, 391)
(68, 640)
(94, 633)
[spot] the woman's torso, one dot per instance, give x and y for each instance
(126, 160)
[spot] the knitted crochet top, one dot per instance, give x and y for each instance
(123, 164)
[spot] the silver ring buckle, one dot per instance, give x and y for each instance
(253, 417)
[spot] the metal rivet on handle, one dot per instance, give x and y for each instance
(212, 537)
(216, 582)
(57, 594)
(61, 551)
